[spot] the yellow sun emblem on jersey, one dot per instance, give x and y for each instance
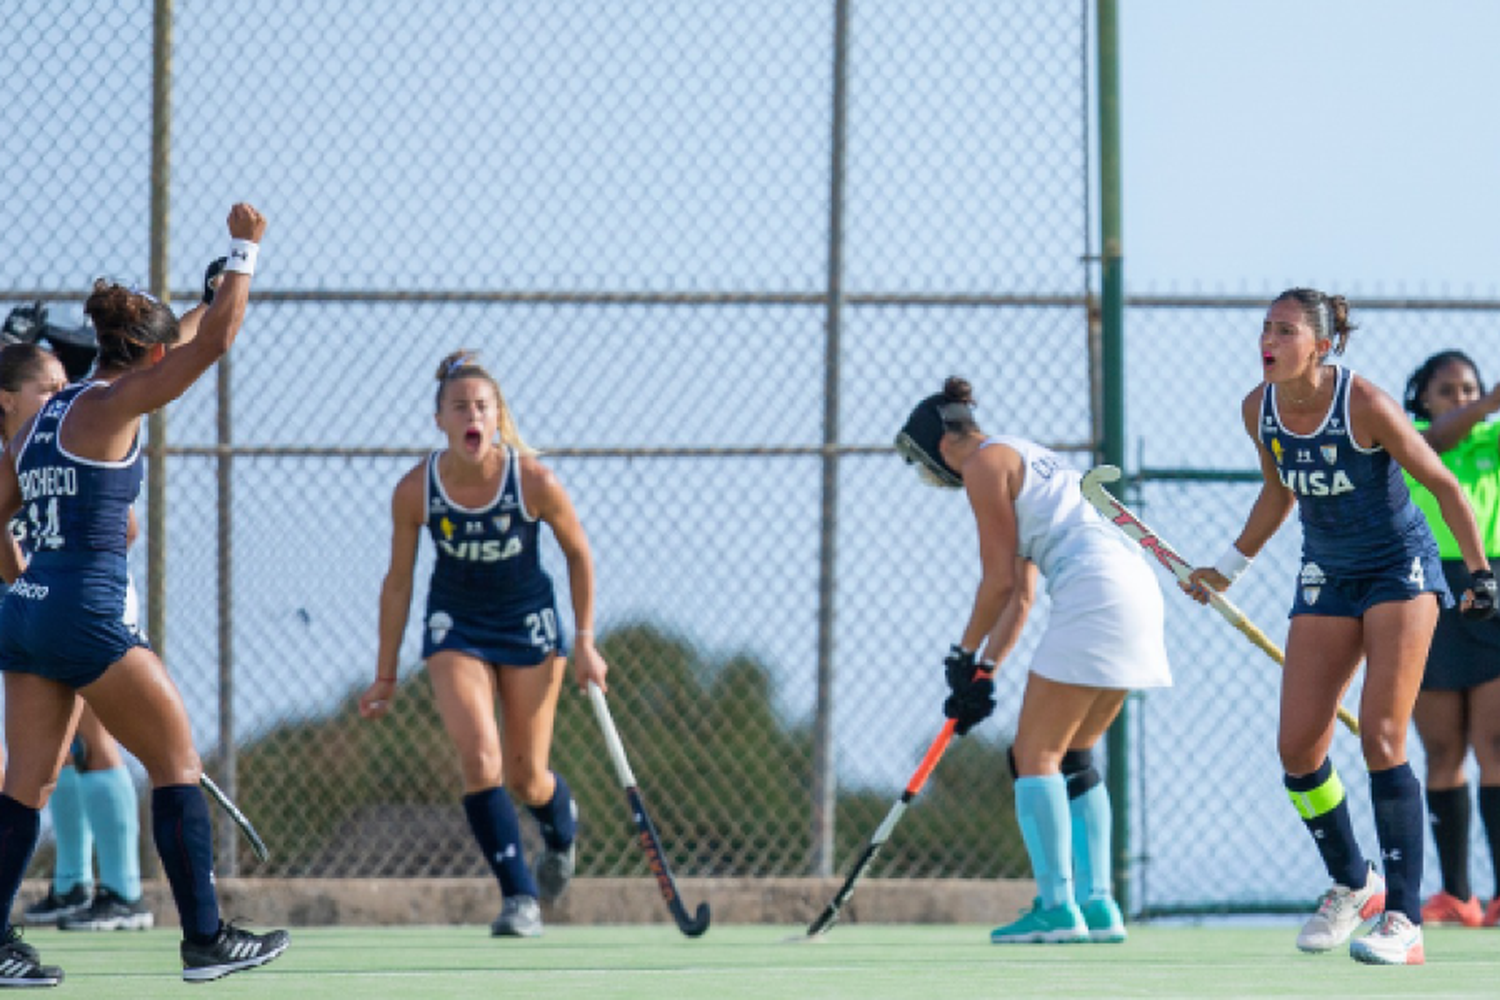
(1276, 449)
(446, 527)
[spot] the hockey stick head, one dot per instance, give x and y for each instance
(697, 926)
(240, 820)
(1101, 474)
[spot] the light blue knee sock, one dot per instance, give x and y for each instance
(1042, 811)
(1091, 839)
(114, 813)
(70, 828)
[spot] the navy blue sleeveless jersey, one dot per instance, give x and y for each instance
(1358, 518)
(65, 616)
(489, 595)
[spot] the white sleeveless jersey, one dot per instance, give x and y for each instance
(1054, 523)
(1105, 621)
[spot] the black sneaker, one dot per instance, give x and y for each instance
(232, 950)
(21, 966)
(51, 908)
(110, 912)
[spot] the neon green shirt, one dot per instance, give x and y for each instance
(1475, 461)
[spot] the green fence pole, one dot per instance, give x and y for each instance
(1113, 309)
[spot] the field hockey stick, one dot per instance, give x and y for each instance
(656, 857)
(240, 820)
(1121, 516)
(882, 833)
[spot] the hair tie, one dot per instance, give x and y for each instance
(463, 358)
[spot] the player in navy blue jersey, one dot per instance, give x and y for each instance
(491, 629)
(94, 802)
(1370, 586)
(75, 470)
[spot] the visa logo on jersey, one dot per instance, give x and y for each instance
(1316, 484)
(486, 551)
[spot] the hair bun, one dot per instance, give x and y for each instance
(957, 390)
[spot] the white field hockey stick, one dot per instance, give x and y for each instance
(240, 820)
(1121, 516)
(656, 857)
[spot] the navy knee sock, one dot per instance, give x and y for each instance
(555, 816)
(1489, 811)
(1396, 795)
(1448, 813)
(185, 843)
(20, 826)
(1320, 801)
(492, 817)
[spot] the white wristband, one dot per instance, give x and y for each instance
(241, 257)
(1232, 563)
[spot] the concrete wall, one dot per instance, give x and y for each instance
(313, 902)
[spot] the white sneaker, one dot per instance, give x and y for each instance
(1340, 911)
(1395, 940)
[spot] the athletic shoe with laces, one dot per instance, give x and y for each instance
(520, 916)
(20, 965)
(233, 949)
(1395, 940)
(554, 868)
(110, 912)
(1105, 922)
(1056, 925)
(1492, 913)
(1445, 908)
(51, 908)
(1340, 911)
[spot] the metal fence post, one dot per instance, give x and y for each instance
(824, 778)
(156, 424)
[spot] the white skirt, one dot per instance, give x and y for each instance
(1106, 627)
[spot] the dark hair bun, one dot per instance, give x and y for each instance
(112, 307)
(957, 390)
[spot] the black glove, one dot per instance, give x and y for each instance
(973, 698)
(1482, 588)
(211, 279)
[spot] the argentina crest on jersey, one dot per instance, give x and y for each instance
(1312, 580)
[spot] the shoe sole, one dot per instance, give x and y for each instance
(21, 983)
(1042, 937)
(208, 973)
(137, 922)
(1365, 956)
(54, 918)
(1107, 936)
(514, 932)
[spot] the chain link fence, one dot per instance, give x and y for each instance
(713, 252)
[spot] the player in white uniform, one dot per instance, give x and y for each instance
(1104, 639)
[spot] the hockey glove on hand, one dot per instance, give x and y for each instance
(973, 698)
(212, 275)
(1482, 594)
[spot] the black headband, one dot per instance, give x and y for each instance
(924, 429)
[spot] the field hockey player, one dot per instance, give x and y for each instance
(1369, 588)
(1104, 638)
(77, 468)
(491, 629)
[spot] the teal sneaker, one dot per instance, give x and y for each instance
(1058, 925)
(1106, 925)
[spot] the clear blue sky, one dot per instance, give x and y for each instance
(1349, 143)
